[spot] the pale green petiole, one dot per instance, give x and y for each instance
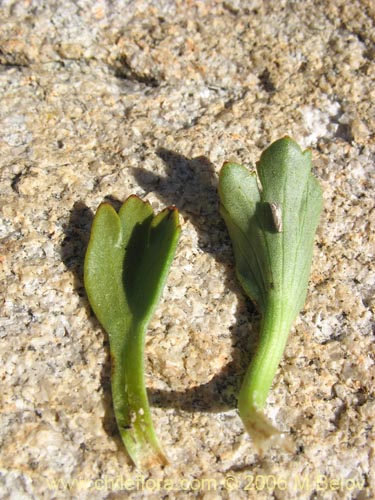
(272, 216)
(126, 265)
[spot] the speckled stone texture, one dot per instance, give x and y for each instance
(104, 99)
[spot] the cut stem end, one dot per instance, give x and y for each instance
(263, 433)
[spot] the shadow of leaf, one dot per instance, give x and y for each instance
(190, 185)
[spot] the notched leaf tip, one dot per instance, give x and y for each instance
(135, 196)
(171, 208)
(172, 211)
(105, 204)
(231, 161)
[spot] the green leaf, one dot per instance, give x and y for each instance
(126, 266)
(271, 216)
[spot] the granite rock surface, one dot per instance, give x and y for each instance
(104, 99)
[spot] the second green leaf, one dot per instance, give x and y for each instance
(271, 215)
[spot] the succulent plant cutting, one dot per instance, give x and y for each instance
(271, 215)
(126, 266)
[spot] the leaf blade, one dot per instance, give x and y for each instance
(102, 282)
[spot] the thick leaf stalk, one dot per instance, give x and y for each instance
(272, 216)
